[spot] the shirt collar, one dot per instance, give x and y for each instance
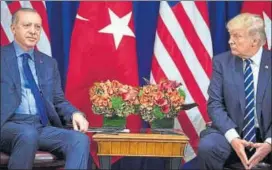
(19, 51)
(256, 59)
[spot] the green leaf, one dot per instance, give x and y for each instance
(140, 93)
(157, 112)
(117, 102)
(182, 93)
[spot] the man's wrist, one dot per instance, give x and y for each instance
(78, 112)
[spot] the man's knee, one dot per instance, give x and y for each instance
(205, 147)
(213, 145)
(29, 137)
(80, 140)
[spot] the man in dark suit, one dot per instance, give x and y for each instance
(239, 102)
(32, 101)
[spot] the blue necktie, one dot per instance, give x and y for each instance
(35, 90)
(249, 130)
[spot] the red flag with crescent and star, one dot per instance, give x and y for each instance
(103, 47)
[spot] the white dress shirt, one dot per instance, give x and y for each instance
(255, 65)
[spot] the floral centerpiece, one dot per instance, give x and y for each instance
(111, 97)
(152, 102)
(162, 100)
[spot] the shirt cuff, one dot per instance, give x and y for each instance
(268, 140)
(231, 134)
(79, 113)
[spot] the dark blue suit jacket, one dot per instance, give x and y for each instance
(49, 83)
(226, 104)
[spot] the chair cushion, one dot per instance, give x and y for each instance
(45, 156)
(42, 159)
(239, 166)
(4, 158)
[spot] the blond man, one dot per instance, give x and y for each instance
(239, 102)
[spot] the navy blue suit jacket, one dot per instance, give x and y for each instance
(49, 83)
(226, 103)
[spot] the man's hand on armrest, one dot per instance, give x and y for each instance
(79, 122)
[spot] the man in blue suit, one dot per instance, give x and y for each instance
(32, 101)
(239, 102)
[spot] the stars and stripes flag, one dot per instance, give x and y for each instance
(8, 8)
(183, 52)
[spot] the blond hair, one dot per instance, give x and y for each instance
(252, 22)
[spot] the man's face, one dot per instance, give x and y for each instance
(240, 42)
(27, 29)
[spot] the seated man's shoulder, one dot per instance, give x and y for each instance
(5, 47)
(6, 51)
(223, 56)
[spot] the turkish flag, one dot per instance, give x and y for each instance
(103, 47)
(262, 8)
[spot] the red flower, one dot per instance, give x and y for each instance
(165, 109)
(161, 102)
(168, 85)
(128, 93)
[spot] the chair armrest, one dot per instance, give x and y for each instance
(189, 106)
(68, 126)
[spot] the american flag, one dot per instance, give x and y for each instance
(183, 52)
(10, 7)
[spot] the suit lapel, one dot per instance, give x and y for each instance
(12, 63)
(263, 78)
(238, 76)
(39, 65)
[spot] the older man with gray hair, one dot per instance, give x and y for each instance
(239, 102)
(32, 102)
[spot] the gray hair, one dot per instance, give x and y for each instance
(252, 22)
(14, 18)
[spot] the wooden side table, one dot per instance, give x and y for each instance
(140, 145)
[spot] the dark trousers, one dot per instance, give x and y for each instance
(23, 135)
(215, 152)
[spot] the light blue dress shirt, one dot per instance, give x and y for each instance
(28, 104)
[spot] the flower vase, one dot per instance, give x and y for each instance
(165, 123)
(114, 121)
(134, 123)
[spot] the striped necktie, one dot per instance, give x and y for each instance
(249, 130)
